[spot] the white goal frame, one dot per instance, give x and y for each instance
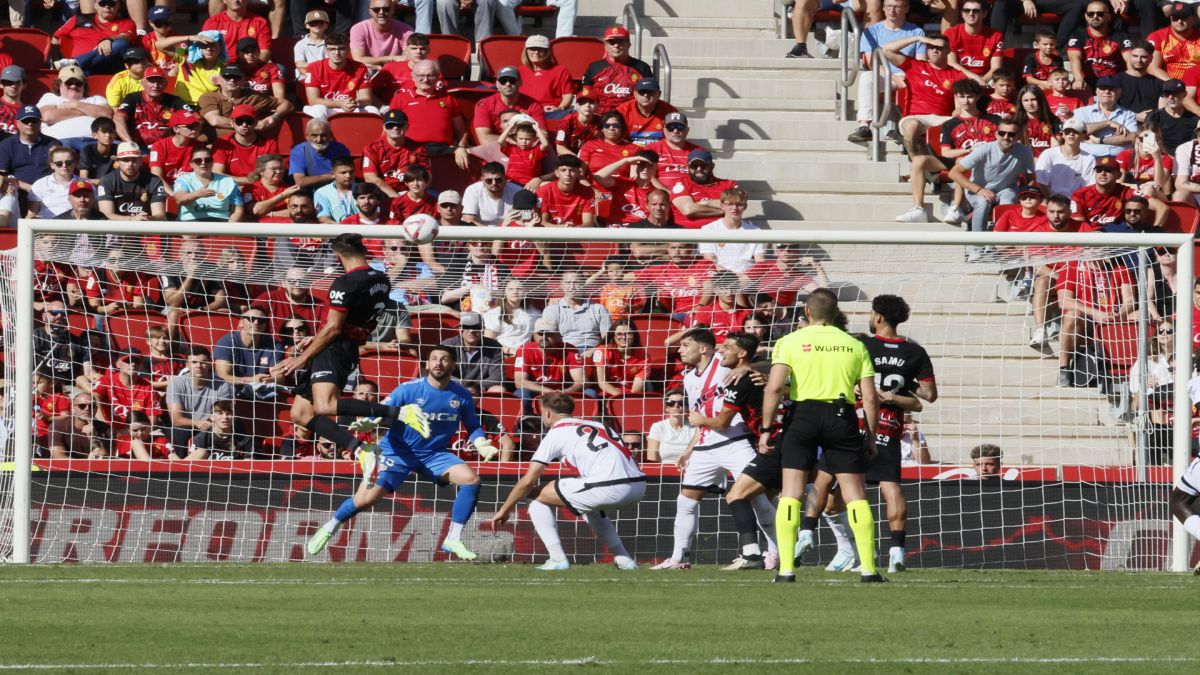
(24, 320)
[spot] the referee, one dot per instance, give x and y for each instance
(823, 364)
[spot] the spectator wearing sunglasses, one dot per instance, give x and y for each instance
(244, 357)
(217, 107)
(79, 434)
(27, 154)
(97, 40)
(67, 111)
(237, 154)
(996, 167)
(205, 195)
(508, 96)
(671, 435)
(48, 195)
(379, 39)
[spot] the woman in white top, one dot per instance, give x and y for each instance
(510, 322)
(1160, 369)
(48, 194)
(670, 436)
(66, 110)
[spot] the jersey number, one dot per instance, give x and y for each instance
(591, 433)
(892, 383)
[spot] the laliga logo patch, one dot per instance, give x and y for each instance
(421, 401)
(455, 403)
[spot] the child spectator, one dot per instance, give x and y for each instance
(620, 296)
(49, 406)
(723, 315)
(311, 47)
(416, 198)
(173, 155)
(1004, 87)
(223, 440)
(525, 145)
(161, 363)
(97, 159)
(143, 441)
(335, 201)
(1028, 218)
(1062, 101)
(1044, 60)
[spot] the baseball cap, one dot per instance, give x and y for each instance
(1174, 87)
(316, 15)
(395, 116)
(243, 110)
(508, 71)
(12, 73)
(470, 320)
(616, 32)
(183, 117)
(154, 71)
(545, 326)
(128, 149)
(1107, 164)
(1075, 124)
(1028, 188)
(232, 71)
(449, 197)
(133, 54)
(72, 71)
(537, 42)
(81, 186)
(700, 155)
(247, 44)
(648, 155)
(1181, 10)
(648, 84)
(1109, 81)
(675, 118)
(29, 112)
(585, 93)
(160, 13)
(524, 200)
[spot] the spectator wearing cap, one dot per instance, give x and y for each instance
(217, 107)
(48, 195)
(1140, 90)
(12, 87)
(97, 40)
(311, 47)
(1100, 204)
(143, 117)
(1065, 168)
(172, 155)
(508, 96)
(338, 83)
(673, 149)
(565, 201)
(614, 77)
(630, 181)
(159, 17)
(385, 158)
(132, 192)
(380, 39)
(485, 201)
(1110, 128)
(646, 114)
(543, 79)
(237, 154)
(450, 208)
(613, 143)
(81, 198)
(1176, 47)
(996, 168)
(27, 155)
(736, 257)
(1176, 123)
(434, 116)
(262, 77)
(128, 81)
(545, 364)
(311, 161)
(581, 322)
(580, 127)
(236, 22)
(205, 195)
(696, 198)
(123, 390)
(67, 111)
(478, 360)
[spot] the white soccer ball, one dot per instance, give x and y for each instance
(421, 228)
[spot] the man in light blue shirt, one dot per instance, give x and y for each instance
(894, 27)
(1110, 128)
(336, 201)
(996, 168)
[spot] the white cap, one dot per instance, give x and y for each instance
(449, 197)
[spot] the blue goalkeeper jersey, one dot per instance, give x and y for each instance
(446, 409)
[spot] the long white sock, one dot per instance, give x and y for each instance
(764, 511)
(455, 531)
(687, 517)
(604, 528)
(332, 526)
(547, 528)
(841, 530)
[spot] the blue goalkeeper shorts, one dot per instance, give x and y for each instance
(394, 470)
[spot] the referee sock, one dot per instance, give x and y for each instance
(461, 510)
(352, 407)
(764, 511)
(687, 516)
(841, 530)
(863, 525)
(603, 527)
(329, 430)
(743, 520)
(547, 529)
(787, 521)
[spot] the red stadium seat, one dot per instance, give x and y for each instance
(79, 323)
(433, 328)
(577, 53)
(508, 409)
(498, 51)
(654, 329)
(8, 239)
(37, 82)
(1181, 218)
(128, 328)
(467, 98)
(388, 369)
(1119, 342)
(593, 253)
(206, 328)
(635, 413)
(535, 12)
(453, 54)
(246, 246)
(28, 47)
(96, 84)
(447, 175)
(290, 132)
(356, 130)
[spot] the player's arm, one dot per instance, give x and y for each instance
(901, 401)
(519, 492)
(1183, 507)
(870, 403)
(773, 394)
(927, 389)
(323, 338)
(475, 433)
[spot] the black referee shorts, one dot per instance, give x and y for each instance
(885, 468)
(333, 364)
(832, 427)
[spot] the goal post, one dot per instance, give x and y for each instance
(1048, 437)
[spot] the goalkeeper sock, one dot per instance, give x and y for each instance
(352, 407)
(787, 522)
(764, 512)
(464, 506)
(344, 512)
(743, 520)
(603, 527)
(547, 529)
(841, 530)
(863, 525)
(898, 538)
(329, 430)
(686, 518)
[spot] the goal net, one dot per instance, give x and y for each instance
(1028, 458)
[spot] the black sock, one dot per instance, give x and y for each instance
(744, 521)
(356, 408)
(808, 523)
(330, 431)
(898, 538)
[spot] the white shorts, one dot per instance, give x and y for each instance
(582, 499)
(709, 467)
(1189, 482)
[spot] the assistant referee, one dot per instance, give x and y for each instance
(823, 363)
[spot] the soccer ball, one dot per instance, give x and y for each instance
(421, 228)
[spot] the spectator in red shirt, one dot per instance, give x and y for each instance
(1060, 98)
(647, 113)
(1147, 166)
(125, 389)
(396, 75)
(975, 47)
(630, 188)
(1099, 204)
(237, 155)
(620, 363)
(434, 117)
(49, 406)
(12, 88)
(614, 77)
(566, 201)
(681, 282)
(543, 79)
(696, 198)
(579, 128)
(673, 150)
(725, 314)
(143, 117)
(416, 199)
(385, 158)
(1090, 292)
(262, 76)
(1001, 101)
(291, 299)
(524, 144)
(172, 155)
(266, 194)
(1028, 218)
(508, 96)
(337, 84)
(1176, 47)
(236, 23)
(143, 441)
(1057, 219)
(546, 364)
(930, 98)
(97, 40)
(1044, 59)
(613, 143)
(1042, 129)
(113, 286)
(791, 274)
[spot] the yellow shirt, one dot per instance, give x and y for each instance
(120, 86)
(826, 363)
(201, 80)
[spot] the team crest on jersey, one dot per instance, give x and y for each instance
(455, 403)
(352, 85)
(987, 51)
(250, 32)
(1045, 128)
(441, 104)
(1107, 49)
(421, 401)
(945, 84)
(986, 128)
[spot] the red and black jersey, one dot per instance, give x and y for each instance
(1094, 209)
(8, 116)
(614, 82)
(361, 294)
(1102, 54)
(1034, 67)
(1039, 134)
(900, 364)
(389, 162)
(1002, 108)
(964, 133)
(150, 117)
(573, 133)
(747, 399)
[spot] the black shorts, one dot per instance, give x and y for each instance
(886, 465)
(766, 470)
(333, 364)
(832, 427)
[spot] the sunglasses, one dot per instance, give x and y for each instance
(74, 83)
(244, 121)
(1006, 134)
(393, 125)
(623, 335)
(675, 127)
(380, 10)
(84, 405)
(202, 160)
(63, 162)
(1094, 15)
(508, 80)
(493, 181)
(610, 125)
(1166, 331)
(56, 312)
(674, 403)
(971, 11)
(256, 319)
(1135, 210)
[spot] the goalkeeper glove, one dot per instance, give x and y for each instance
(485, 448)
(414, 417)
(365, 425)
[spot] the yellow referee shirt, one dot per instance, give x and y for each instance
(826, 363)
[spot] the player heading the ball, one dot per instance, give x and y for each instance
(608, 479)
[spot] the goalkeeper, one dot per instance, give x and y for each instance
(407, 449)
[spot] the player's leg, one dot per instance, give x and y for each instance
(1183, 507)
(687, 518)
(897, 514)
(822, 492)
(595, 503)
(363, 498)
(304, 413)
(542, 513)
(735, 459)
(862, 522)
(834, 512)
(454, 470)
(738, 498)
(798, 454)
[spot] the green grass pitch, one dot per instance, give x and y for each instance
(457, 618)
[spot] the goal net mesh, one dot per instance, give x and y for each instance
(1080, 480)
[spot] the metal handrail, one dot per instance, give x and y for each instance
(631, 22)
(661, 58)
(781, 8)
(848, 68)
(883, 110)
